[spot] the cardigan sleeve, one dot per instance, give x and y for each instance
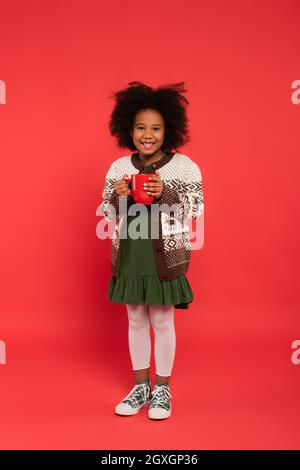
(187, 194)
(110, 205)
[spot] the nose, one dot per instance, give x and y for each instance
(147, 135)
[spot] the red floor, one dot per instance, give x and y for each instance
(231, 390)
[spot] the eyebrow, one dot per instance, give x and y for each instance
(138, 123)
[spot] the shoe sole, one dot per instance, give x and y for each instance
(160, 417)
(131, 412)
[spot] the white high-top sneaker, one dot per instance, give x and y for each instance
(138, 397)
(160, 404)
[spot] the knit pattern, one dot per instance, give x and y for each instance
(182, 186)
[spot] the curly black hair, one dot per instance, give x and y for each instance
(167, 99)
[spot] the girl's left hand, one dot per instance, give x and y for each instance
(155, 186)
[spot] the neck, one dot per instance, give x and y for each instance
(152, 158)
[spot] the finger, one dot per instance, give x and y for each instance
(120, 183)
(154, 178)
(123, 180)
(154, 182)
(153, 190)
(123, 183)
(154, 194)
(125, 192)
(122, 187)
(153, 186)
(122, 190)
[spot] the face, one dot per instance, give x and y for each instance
(148, 127)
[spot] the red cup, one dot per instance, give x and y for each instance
(137, 188)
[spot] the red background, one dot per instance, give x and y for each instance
(68, 364)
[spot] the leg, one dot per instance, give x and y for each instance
(162, 320)
(139, 340)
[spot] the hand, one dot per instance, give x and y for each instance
(156, 187)
(122, 187)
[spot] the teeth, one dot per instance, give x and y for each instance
(147, 144)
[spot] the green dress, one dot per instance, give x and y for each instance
(138, 281)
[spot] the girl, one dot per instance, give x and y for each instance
(149, 274)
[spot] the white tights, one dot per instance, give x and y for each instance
(161, 318)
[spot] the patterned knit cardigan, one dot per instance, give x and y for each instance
(182, 186)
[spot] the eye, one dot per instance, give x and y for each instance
(141, 127)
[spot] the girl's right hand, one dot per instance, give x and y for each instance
(122, 187)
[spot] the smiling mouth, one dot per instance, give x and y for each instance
(147, 145)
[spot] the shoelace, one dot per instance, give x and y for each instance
(161, 398)
(139, 391)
